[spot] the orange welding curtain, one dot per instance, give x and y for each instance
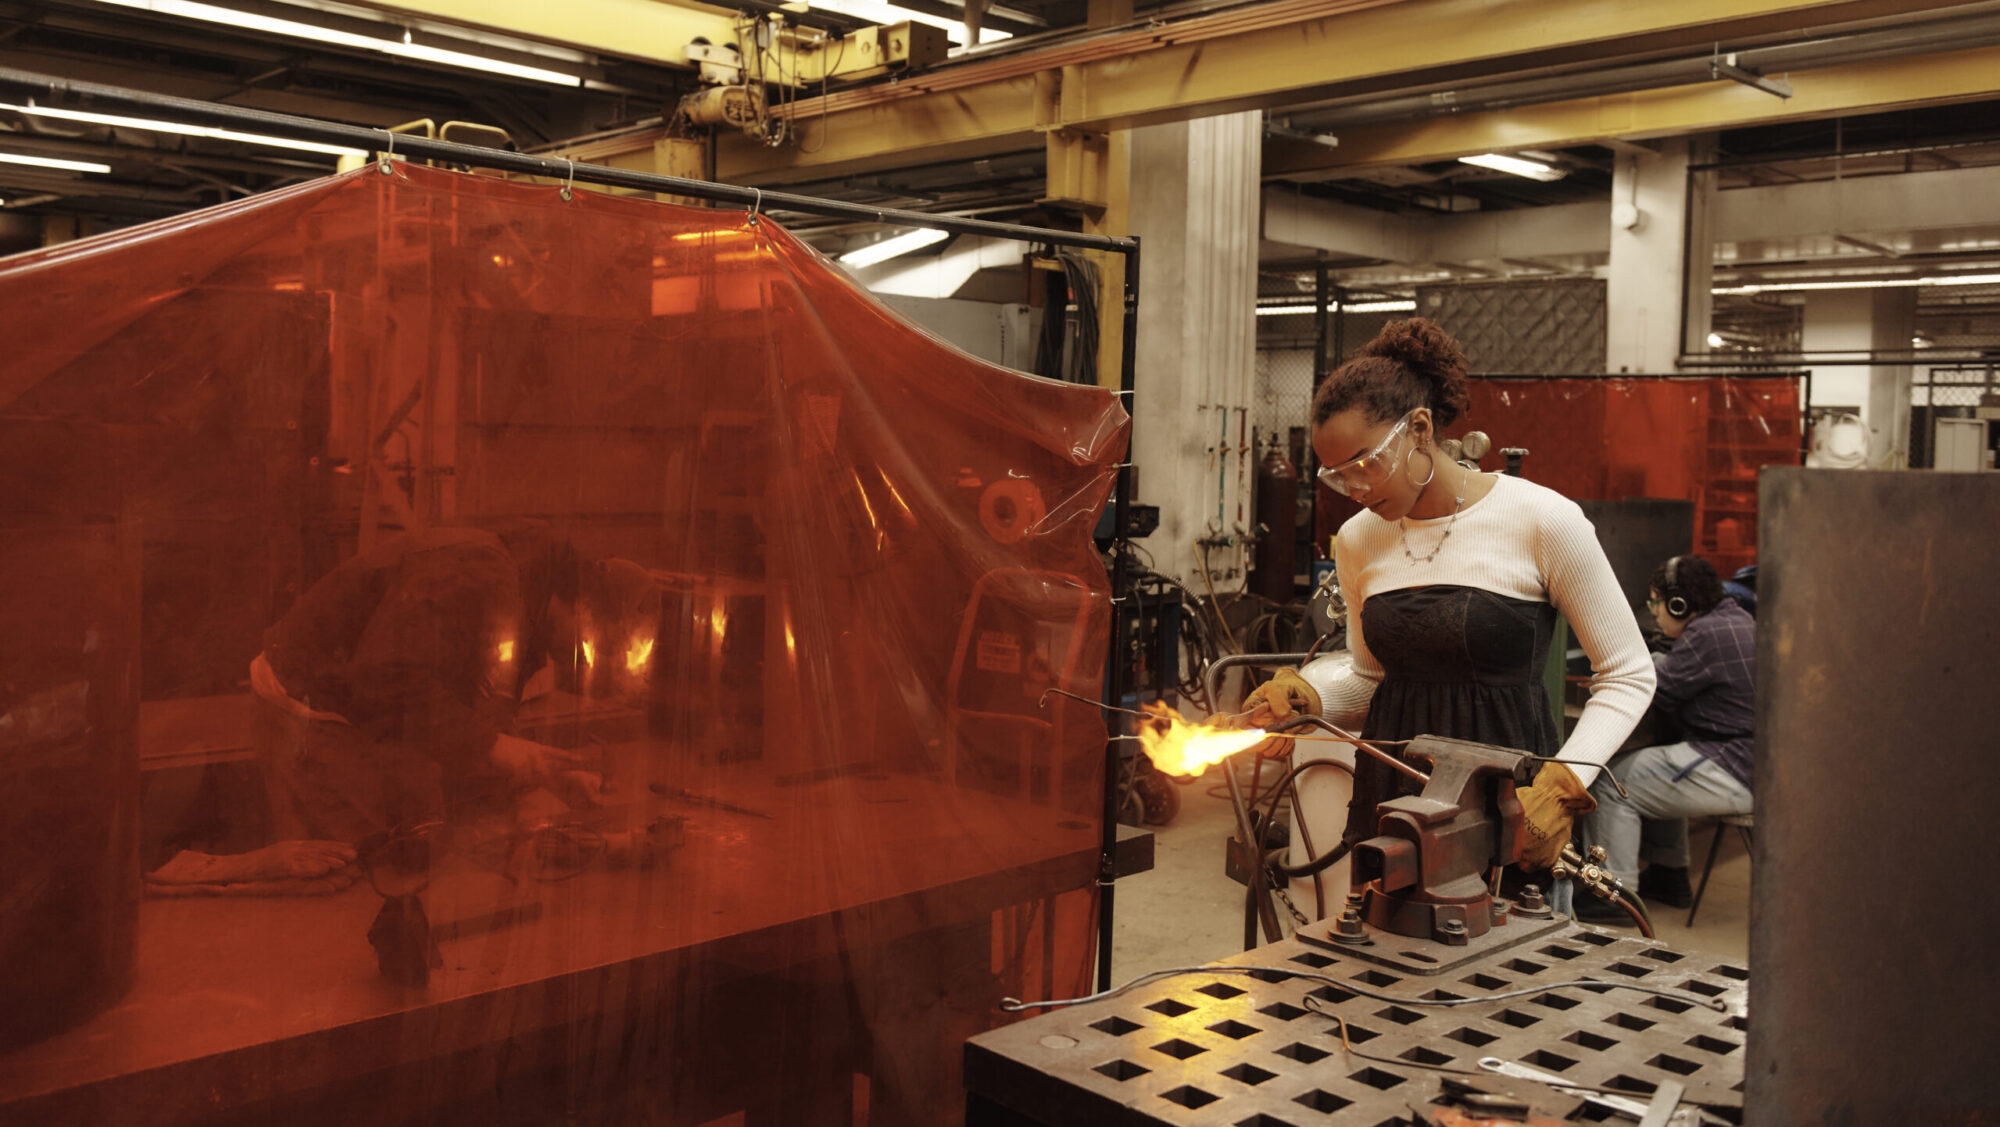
(829, 565)
(1612, 438)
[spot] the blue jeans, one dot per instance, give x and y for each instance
(1666, 786)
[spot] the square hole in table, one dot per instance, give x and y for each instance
(1467, 1035)
(1376, 1078)
(1708, 989)
(1234, 1030)
(1675, 1064)
(1671, 1005)
(1303, 1053)
(1179, 1049)
(1422, 1055)
(1661, 954)
(1484, 981)
(1360, 1034)
(1262, 1120)
(1313, 960)
(1122, 1069)
(1715, 1045)
(1555, 1001)
(1632, 1083)
(1632, 970)
(1441, 996)
(1115, 1025)
(1322, 1101)
(1400, 1015)
(1633, 1022)
(1219, 990)
(1738, 1022)
(1516, 1018)
(1591, 1041)
(1171, 1007)
(1594, 939)
(1726, 971)
(1523, 966)
(1283, 1011)
(1248, 1073)
(1333, 994)
(1554, 1062)
(1189, 1096)
(1555, 952)
(1267, 974)
(1376, 978)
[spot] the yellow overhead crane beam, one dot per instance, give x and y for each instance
(658, 32)
(1263, 56)
(1869, 87)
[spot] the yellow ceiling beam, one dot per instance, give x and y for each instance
(647, 30)
(658, 32)
(1251, 58)
(1870, 87)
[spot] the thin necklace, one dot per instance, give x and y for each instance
(1455, 510)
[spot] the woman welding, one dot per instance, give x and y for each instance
(1453, 579)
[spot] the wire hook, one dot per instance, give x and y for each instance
(756, 205)
(388, 154)
(568, 184)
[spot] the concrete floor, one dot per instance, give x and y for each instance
(1187, 911)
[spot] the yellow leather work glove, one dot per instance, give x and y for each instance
(1281, 698)
(1551, 807)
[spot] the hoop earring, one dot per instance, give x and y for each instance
(1432, 458)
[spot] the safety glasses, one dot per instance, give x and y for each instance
(1366, 473)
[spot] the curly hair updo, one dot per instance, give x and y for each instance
(1409, 364)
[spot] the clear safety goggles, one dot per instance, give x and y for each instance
(1367, 473)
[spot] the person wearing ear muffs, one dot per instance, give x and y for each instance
(1706, 683)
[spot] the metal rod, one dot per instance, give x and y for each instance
(1121, 505)
(62, 90)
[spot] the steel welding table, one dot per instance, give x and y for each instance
(267, 1010)
(1244, 1049)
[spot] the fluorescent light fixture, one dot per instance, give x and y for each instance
(875, 11)
(1519, 166)
(1864, 284)
(891, 247)
(251, 21)
(51, 162)
(1354, 307)
(182, 129)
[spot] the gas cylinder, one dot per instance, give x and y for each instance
(1277, 520)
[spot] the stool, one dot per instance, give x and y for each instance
(1744, 823)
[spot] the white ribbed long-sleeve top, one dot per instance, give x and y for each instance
(1526, 542)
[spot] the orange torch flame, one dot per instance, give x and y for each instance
(1180, 748)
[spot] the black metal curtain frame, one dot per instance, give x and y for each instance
(55, 90)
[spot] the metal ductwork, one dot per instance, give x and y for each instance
(1957, 33)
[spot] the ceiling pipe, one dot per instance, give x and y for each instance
(1958, 33)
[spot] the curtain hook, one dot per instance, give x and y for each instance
(756, 206)
(572, 178)
(388, 154)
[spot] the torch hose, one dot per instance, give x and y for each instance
(1637, 913)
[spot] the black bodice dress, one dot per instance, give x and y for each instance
(1459, 662)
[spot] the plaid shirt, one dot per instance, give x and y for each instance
(1708, 683)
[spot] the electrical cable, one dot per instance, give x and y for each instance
(1215, 604)
(1016, 1005)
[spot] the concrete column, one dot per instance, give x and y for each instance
(1860, 321)
(1654, 219)
(1194, 196)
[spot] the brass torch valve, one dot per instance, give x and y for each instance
(1590, 873)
